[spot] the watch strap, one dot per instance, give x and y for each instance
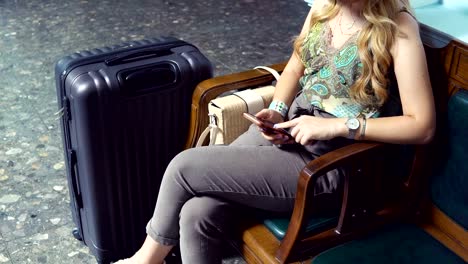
(352, 131)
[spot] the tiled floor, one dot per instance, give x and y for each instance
(35, 221)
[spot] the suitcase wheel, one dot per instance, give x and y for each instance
(76, 234)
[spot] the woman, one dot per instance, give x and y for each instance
(344, 58)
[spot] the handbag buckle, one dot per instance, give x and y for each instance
(213, 120)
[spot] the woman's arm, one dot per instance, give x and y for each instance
(287, 86)
(415, 126)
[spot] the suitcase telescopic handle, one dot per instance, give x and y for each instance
(136, 55)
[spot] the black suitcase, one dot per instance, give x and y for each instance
(125, 114)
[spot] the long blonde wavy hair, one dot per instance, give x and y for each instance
(374, 44)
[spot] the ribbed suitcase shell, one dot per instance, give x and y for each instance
(125, 115)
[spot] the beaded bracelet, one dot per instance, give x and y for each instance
(279, 107)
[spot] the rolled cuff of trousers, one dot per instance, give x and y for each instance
(158, 238)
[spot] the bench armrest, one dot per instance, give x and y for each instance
(357, 156)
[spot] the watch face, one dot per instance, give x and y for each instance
(353, 123)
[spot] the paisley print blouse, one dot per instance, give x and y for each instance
(330, 72)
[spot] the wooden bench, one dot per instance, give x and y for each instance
(363, 208)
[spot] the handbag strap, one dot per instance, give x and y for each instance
(253, 100)
(270, 70)
(211, 129)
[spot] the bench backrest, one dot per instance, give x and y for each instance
(449, 184)
(445, 214)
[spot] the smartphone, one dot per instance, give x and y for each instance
(266, 125)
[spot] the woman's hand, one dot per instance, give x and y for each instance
(274, 117)
(306, 129)
(270, 115)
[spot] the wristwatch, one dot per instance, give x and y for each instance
(353, 126)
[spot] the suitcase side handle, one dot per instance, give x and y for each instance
(74, 180)
(136, 55)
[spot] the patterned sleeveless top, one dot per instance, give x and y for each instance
(330, 72)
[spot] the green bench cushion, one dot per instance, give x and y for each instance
(449, 186)
(278, 226)
(397, 244)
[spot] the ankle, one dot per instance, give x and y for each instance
(151, 252)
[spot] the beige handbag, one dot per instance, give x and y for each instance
(225, 113)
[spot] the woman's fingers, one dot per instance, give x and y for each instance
(263, 114)
(270, 115)
(298, 137)
(302, 138)
(287, 124)
(276, 138)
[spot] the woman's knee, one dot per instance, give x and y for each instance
(204, 215)
(196, 210)
(182, 163)
(181, 159)
(191, 166)
(192, 158)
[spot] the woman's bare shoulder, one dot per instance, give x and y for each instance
(407, 23)
(407, 41)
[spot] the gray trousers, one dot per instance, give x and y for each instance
(203, 187)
